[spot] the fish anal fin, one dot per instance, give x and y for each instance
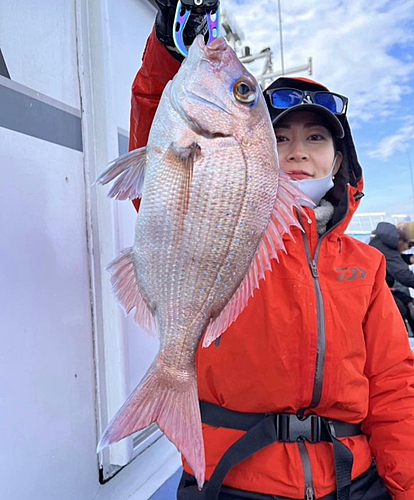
(129, 171)
(281, 219)
(176, 411)
(126, 290)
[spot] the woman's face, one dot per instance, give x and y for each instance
(305, 146)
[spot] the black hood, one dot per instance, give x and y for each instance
(388, 234)
(350, 171)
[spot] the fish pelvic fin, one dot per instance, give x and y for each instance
(126, 289)
(129, 170)
(281, 219)
(176, 410)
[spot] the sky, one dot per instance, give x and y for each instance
(364, 50)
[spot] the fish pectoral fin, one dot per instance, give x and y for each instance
(126, 290)
(130, 170)
(184, 157)
(281, 218)
(184, 153)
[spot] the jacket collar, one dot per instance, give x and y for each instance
(344, 211)
(346, 207)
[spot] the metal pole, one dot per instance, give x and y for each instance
(411, 174)
(281, 38)
(294, 69)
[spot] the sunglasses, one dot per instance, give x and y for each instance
(285, 98)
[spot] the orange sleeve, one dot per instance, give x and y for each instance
(158, 67)
(390, 370)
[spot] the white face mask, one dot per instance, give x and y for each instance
(315, 189)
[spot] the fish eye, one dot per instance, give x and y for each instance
(244, 92)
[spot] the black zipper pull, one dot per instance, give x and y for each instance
(314, 269)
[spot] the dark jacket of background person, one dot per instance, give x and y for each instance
(386, 241)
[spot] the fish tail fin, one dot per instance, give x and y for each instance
(175, 409)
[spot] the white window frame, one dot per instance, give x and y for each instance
(100, 134)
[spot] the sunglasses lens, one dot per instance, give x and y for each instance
(286, 98)
(329, 101)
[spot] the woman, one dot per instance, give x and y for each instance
(315, 377)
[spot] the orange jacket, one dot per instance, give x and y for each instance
(266, 360)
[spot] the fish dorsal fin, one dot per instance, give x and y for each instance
(281, 219)
(130, 169)
(126, 290)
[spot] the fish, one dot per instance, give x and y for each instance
(214, 210)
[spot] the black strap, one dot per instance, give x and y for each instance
(217, 416)
(264, 429)
(258, 437)
(344, 460)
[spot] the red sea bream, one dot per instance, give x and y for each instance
(214, 209)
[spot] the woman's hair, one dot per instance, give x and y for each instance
(338, 144)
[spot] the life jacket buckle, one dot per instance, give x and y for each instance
(290, 428)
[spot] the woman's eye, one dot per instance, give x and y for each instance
(281, 138)
(244, 92)
(316, 137)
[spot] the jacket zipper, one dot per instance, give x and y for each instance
(320, 360)
(321, 338)
(307, 470)
(309, 493)
(320, 351)
(320, 315)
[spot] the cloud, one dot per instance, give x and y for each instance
(395, 142)
(359, 48)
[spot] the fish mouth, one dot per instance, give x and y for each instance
(214, 103)
(204, 100)
(191, 122)
(218, 44)
(214, 49)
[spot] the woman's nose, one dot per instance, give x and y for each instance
(297, 152)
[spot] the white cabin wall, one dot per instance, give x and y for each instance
(48, 393)
(38, 41)
(46, 366)
(47, 369)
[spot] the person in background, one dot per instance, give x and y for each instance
(406, 232)
(392, 241)
(316, 376)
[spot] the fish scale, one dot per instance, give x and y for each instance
(177, 262)
(214, 209)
